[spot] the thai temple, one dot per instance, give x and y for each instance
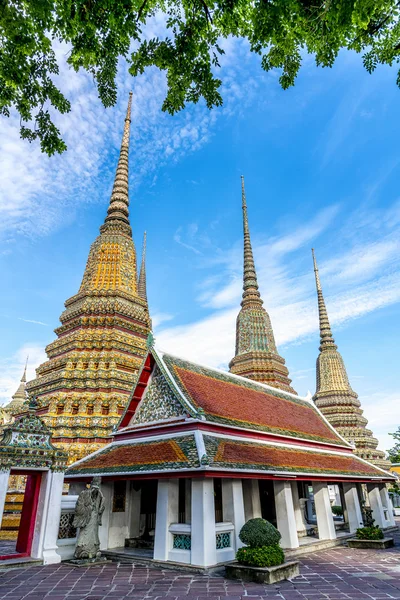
(83, 387)
(186, 453)
(334, 396)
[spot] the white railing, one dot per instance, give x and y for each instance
(67, 532)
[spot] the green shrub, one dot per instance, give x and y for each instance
(264, 556)
(370, 533)
(258, 533)
(337, 510)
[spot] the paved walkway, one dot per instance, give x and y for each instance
(337, 574)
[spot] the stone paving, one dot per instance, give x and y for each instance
(337, 574)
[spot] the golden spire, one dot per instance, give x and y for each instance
(250, 284)
(334, 395)
(256, 356)
(327, 340)
(118, 212)
(142, 287)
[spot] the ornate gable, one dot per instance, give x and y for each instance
(26, 443)
(159, 401)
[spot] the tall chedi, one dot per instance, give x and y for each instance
(334, 395)
(93, 363)
(256, 356)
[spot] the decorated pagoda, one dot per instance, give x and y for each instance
(83, 387)
(256, 356)
(334, 395)
(16, 404)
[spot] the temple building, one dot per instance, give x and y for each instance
(197, 451)
(256, 356)
(84, 386)
(334, 395)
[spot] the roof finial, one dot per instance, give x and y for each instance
(250, 284)
(324, 325)
(23, 378)
(142, 287)
(119, 202)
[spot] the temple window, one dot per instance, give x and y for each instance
(60, 409)
(90, 409)
(105, 410)
(218, 500)
(75, 409)
(107, 365)
(119, 496)
(182, 501)
(85, 365)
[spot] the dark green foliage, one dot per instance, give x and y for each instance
(337, 510)
(370, 533)
(98, 32)
(265, 556)
(257, 533)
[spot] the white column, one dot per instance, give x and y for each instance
(44, 543)
(233, 506)
(188, 500)
(167, 513)
(354, 514)
(251, 498)
(325, 523)
(298, 506)
(375, 502)
(285, 518)
(204, 551)
(136, 497)
(4, 476)
(386, 502)
(104, 529)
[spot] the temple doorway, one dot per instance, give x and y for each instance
(267, 497)
(19, 515)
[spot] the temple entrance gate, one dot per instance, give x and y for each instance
(26, 449)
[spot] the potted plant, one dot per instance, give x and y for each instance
(261, 559)
(371, 535)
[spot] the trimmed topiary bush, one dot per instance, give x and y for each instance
(370, 533)
(262, 545)
(257, 533)
(264, 556)
(337, 510)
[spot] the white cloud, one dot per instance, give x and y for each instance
(38, 194)
(32, 321)
(12, 368)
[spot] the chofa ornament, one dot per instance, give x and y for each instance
(88, 512)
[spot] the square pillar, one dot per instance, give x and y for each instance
(104, 529)
(233, 506)
(188, 500)
(299, 507)
(204, 552)
(354, 514)
(285, 517)
(375, 502)
(4, 476)
(387, 504)
(166, 513)
(251, 499)
(325, 523)
(44, 543)
(135, 506)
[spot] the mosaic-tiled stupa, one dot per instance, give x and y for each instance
(256, 356)
(16, 405)
(334, 395)
(93, 363)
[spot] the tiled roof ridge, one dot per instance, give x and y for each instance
(247, 382)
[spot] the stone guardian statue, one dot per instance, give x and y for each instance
(88, 511)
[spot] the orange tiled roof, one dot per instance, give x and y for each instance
(175, 453)
(243, 403)
(225, 453)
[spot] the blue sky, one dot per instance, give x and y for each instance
(321, 165)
